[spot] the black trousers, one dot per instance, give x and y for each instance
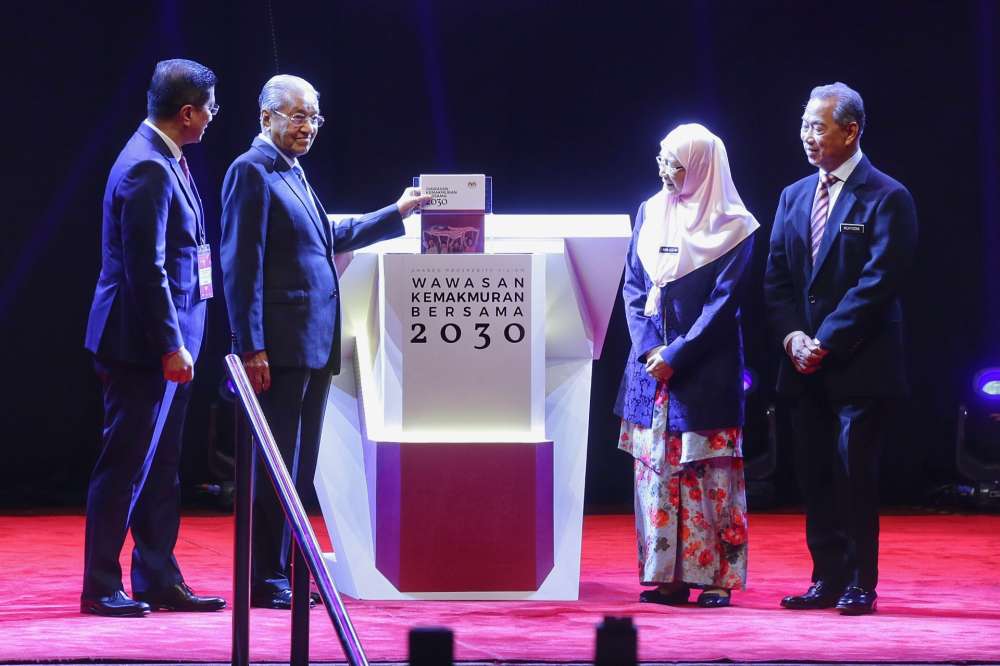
(134, 483)
(836, 462)
(294, 407)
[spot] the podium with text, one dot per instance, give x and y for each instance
(454, 447)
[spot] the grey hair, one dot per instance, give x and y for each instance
(275, 92)
(849, 107)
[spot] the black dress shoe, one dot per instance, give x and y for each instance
(857, 601)
(180, 598)
(278, 599)
(114, 605)
(713, 600)
(819, 595)
(678, 597)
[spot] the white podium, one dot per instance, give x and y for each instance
(454, 446)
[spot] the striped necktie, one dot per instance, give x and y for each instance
(820, 211)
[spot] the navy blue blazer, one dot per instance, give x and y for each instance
(699, 322)
(277, 256)
(147, 301)
(849, 299)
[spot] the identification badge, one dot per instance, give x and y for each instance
(852, 228)
(669, 249)
(205, 271)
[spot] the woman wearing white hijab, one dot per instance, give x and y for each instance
(681, 399)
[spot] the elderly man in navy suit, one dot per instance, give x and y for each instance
(283, 296)
(842, 242)
(145, 331)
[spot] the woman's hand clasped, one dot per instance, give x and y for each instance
(657, 367)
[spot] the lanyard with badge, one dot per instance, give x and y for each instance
(204, 249)
(205, 271)
(204, 262)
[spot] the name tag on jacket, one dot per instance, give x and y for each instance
(852, 228)
(669, 249)
(205, 272)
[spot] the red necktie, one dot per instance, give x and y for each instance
(821, 206)
(184, 168)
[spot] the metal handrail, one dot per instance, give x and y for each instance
(305, 540)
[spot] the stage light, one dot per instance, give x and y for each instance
(432, 646)
(986, 383)
(616, 643)
(977, 440)
(226, 390)
(760, 450)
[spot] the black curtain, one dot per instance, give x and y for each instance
(562, 103)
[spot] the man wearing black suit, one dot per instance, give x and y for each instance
(283, 296)
(145, 330)
(842, 242)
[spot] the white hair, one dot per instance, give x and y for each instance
(275, 92)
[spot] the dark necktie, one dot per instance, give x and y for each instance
(302, 177)
(184, 168)
(821, 208)
(199, 213)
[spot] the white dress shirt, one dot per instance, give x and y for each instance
(171, 146)
(843, 172)
(293, 163)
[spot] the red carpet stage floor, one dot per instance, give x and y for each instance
(940, 601)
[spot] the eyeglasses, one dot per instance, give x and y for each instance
(214, 110)
(663, 163)
(300, 119)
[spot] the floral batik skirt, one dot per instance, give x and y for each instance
(690, 502)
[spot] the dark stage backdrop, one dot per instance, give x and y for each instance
(562, 102)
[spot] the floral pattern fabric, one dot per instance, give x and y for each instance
(690, 502)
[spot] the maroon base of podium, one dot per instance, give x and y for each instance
(428, 496)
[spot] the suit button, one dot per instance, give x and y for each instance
(812, 299)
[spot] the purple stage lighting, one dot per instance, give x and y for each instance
(987, 383)
(226, 389)
(749, 380)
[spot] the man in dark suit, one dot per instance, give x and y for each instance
(283, 296)
(842, 242)
(145, 330)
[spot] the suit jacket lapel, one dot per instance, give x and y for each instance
(201, 206)
(191, 195)
(326, 222)
(803, 211)
(845, 202)
(293, 182)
